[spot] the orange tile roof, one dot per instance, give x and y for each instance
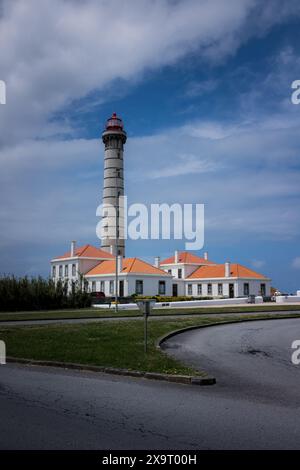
(188, 258)
(218, 271)
(130, 265)
(87, 251)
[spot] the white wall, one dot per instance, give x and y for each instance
(254, 287)
(64, 263)
(150, 284)
(187, 269)
(287, 299)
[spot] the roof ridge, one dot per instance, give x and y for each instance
(83, 249)
(132, 263)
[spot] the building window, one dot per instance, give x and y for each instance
(199, 289)
(169, 271)
(190, 289)
(246, 288)
(73, 270)
(60, 271)
(102, 287)
(263, 289)
(66, 270)
(220, 289)
(209, 289)
(93, 286)
(161, 287)
(139, 287)
(179, 273)
(111, 287)
(53, 271)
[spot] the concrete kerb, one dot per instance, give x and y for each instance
(181, 379)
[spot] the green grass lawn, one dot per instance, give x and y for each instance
(100, 313)
(109, 344)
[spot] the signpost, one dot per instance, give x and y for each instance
(145, 307)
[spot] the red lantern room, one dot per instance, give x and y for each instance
(114, 123)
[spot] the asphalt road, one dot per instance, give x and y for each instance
(48, 408)
(249, 359)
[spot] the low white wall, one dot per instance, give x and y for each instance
(282, 299)
(187, 304)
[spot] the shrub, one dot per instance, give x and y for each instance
(23, 294)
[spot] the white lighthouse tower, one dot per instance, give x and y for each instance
(114, 138)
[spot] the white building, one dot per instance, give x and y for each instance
(77, 262)
(98, 269)
(184, 274)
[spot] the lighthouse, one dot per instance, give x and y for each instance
(114, 138)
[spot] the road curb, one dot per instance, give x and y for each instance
(181, 379)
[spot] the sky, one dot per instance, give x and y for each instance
(204, 89)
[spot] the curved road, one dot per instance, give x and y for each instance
(255, 404)
(249, 359)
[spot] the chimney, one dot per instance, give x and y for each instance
(111, 249)
(176, 258)
(157, 262)
(73, 248)
(227, 269)
(205, 255)
(120, 263)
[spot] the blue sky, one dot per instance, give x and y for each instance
(204, 89)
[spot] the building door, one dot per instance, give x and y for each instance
(121, 289)
(175, 290)
(231, 291)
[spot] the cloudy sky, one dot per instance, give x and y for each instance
(204, 88)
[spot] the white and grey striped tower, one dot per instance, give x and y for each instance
(114, 138)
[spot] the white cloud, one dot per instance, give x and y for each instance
(54, 52)
(184, 164)
(296, 262)
(257, 263)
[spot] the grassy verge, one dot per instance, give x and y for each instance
(100, 313)
(109, 344)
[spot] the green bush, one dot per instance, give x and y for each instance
(23, 294)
